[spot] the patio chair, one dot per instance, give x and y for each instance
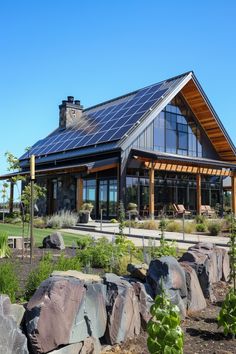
(210, 212)
(180, 210)
(203, 210)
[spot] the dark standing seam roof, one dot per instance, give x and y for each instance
(106, 122)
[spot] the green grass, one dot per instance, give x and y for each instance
(39, 234)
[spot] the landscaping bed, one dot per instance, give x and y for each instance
(201, 333)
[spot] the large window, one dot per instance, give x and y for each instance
(176, 131)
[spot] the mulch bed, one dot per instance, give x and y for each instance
(201, 333)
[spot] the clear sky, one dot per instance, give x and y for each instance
(97, 50)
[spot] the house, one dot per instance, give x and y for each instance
(156, 146)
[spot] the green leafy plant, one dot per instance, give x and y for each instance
(87, 206)
(164, 332)
(38, 274)
(214, 227)
(201, 227)
(84, 241)
(39, 192)
(9, 282)
(4, 248)
(200, 219)
(227, 315)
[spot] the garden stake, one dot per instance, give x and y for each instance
(32, 177)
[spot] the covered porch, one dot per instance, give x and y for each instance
(197, 181)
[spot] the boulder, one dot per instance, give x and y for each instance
(195, 299)
(122, 310)
(211, 264)
(90, 345)
(87, 278)
(65, 310)
(17, 312)
(138, 271)
(12, 340)
(168, 272)
(54, 241)
(142, 292)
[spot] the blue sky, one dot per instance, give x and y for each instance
(96, 50)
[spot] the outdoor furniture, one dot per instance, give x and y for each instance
(145, 211)
(207, 210)
(180, 210)
(16, 242)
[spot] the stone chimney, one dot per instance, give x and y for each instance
(70, 112)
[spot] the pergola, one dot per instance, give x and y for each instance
(174, 163)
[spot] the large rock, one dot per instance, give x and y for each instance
(17, 311)
(138, 271)
(90, 345)
(122, 309)
(211, 264)
(12, 340)
(142, 291)
(65, 310)
(54, 240)
(168, 272)
(195, 299)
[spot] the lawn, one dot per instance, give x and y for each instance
(39, 234)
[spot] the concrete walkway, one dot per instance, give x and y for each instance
(142, 237)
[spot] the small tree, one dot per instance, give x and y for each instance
(121, 218)
(4, 196)
(164, 332)
(38, 192)
(227, 315)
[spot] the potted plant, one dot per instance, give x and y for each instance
(132, 211)
(84, 213)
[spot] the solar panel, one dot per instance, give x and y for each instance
(104, 123)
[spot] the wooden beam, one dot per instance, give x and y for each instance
(151, 192)
(199, 194)
(79, 193)
(187, 169)
(233, 179)
(103, 168)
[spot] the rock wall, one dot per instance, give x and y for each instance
(72, 312)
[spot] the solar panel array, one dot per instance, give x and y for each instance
(103, 123)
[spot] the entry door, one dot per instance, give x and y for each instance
(103, 198)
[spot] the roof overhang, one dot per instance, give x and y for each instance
(196, 98)
(91, 167)
(171, 162)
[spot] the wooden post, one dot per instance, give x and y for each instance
(199, 194)
(79, 194)
(151, 193)
(11, 199)
(233, 193)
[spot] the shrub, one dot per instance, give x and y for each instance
(9, 282)
(113, 221)
(132, 206)
(174, 226)
(227, 315)
(38, 274)
(166, 248)
(214, 228)
(201, 227)
(64, 263)
(200, 219)
(189, 227)
(39, 223)
(149, 225)
(62, 219)
(4, 248)
(84, 241)
(87, 206)
(164, 332)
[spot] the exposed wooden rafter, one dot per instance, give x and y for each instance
(208, 121)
